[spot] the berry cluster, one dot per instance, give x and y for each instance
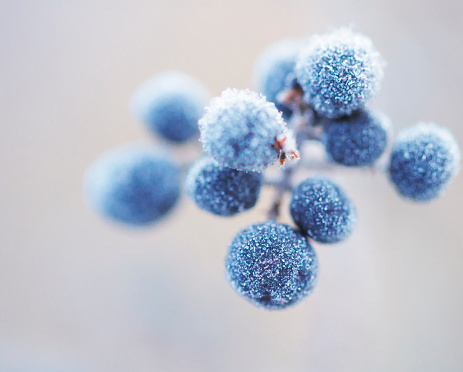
(315, 90)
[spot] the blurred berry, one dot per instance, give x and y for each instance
(273, 68)
(239, 130)
(133, 185)
(424, 159)
(272, 265)
(170, 105)
(356, 140)
(322, 210)
(339, 72)
(222, 190)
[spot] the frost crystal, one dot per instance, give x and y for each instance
(356, 140)
(239, 130)
(322, 210)
(222, 190)
(339, 72)
(272, 265)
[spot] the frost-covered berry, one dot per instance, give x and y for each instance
(239, 130)
(170, 105)
(322, 210)
(424, 159)
(339, 72)
(356, 140)
(273, 68)
(271, 265)
(133, 185)
(222, 190)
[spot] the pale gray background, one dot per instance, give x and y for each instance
(80, 294)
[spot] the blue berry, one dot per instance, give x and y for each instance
(322, 210)
(356, 140)
(170, 105)
(271, 265)
(424, 159)
(222, 190)
(339, 72)
(273, 69)
(133, 185)
(239, 130)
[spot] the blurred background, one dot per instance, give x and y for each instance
(79, 293)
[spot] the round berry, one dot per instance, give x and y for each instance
(424, 159)
(339, 72)
(170, 105)
(271, 265)
(133, 185)
(239, 130)
(356, 140)
(322, 210)
(273, 69)
(222, 190)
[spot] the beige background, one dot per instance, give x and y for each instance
(80, 294)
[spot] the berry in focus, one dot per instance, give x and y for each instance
(239, 130)
(271, 265)
(356, 140)
(221, 190)
(339, 72)
(321, 209)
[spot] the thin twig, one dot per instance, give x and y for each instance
(284, 185)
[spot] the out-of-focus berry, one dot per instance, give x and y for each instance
(133, 185)
(272, 69)
(170, 105)
(424, 159)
